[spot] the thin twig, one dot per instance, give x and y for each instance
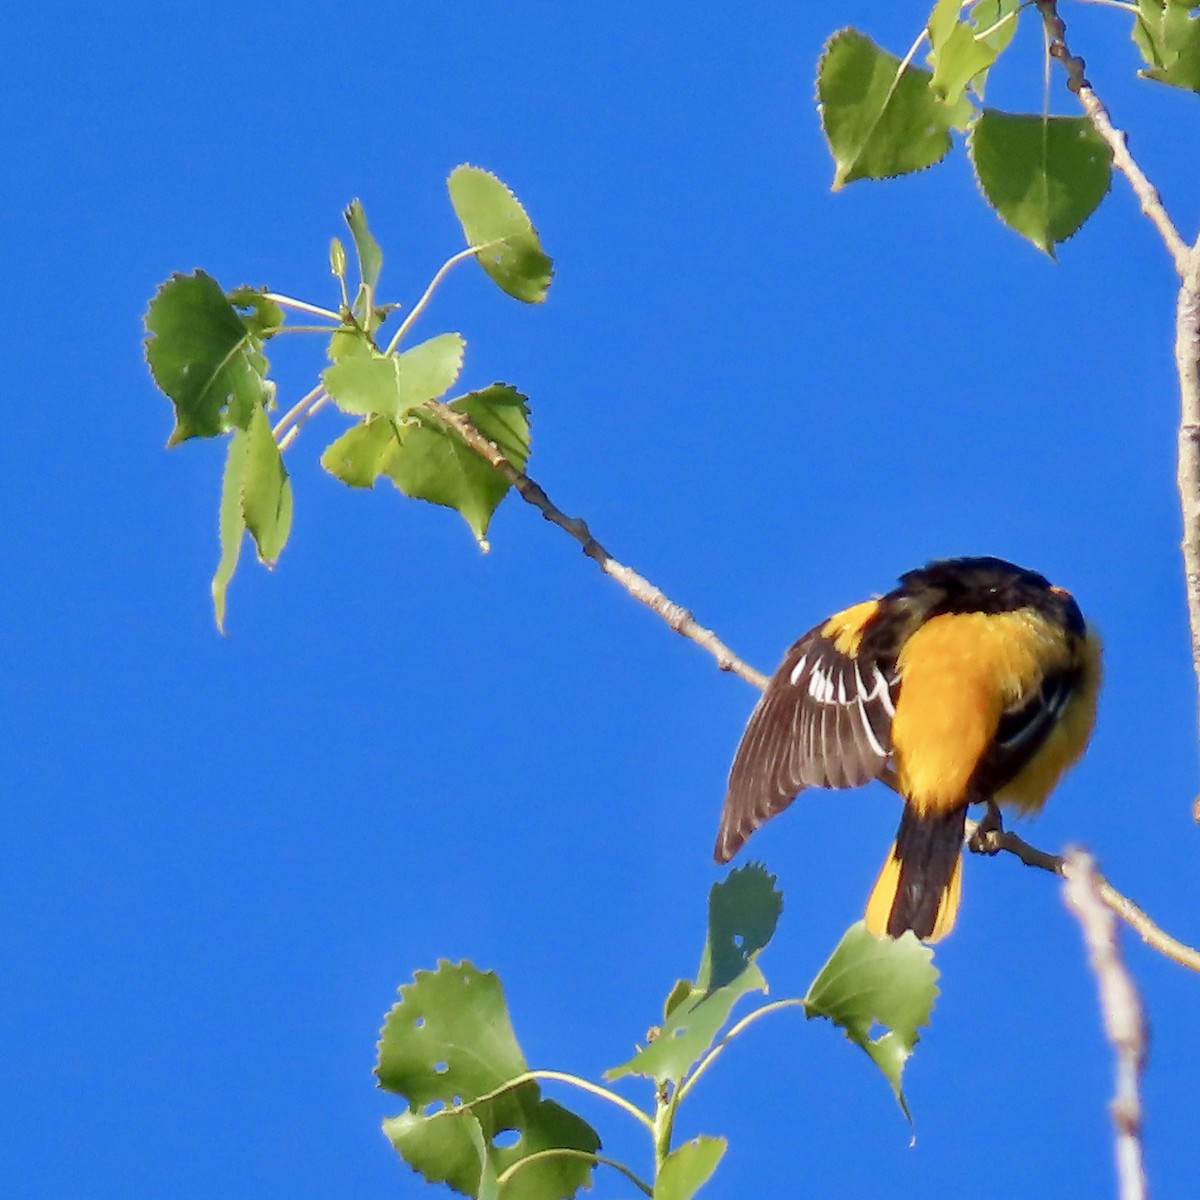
(678, 618)
(1124, 1020)
(1117, 142)
(1002, 839)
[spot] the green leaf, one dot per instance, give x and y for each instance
(264, 317)
(871, 981)
(232, 522)
(742, 911)
(880, 120)
(370, 257)
(489, 214)
(391, 385)
(1168, 37)
(433, 463)
(204, 356)
(995, 25)
(689, 1167)
(449, 1049)
(1044, 176)
(363, 452)
(266, 491)
(958, 60)
(941, 23)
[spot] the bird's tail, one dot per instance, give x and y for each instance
(921, 883)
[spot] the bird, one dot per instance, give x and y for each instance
(973, 681)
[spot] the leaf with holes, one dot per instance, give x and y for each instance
(689, 1167)
(870, 981)
(1168, 37)
(1044, 176)
(880, 117)
(742, 912)
(433, 463)
(205, 357)
(493, 218)
(449, 1049)
(263, 317)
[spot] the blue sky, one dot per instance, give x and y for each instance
(223, 855)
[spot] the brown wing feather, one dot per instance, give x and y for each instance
(824, 721)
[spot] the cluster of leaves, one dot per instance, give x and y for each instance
(206, 353)
(1043, 175)
(477, 1121)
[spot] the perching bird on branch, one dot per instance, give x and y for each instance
(974, 680)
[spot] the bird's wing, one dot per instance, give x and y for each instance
(1023, 730)
(824, 721)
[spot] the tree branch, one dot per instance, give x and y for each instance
(1121, 1006)
(1117, 142)
(678, 618)
(993, 840)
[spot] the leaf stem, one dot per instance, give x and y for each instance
(277, 330)
(595, 1089)
(293, 414)
(441, 274)
(302, 306)
(571, 1152)
(734, 1030)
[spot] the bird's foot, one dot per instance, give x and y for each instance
(985, 837)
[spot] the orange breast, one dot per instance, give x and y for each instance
(959, 672)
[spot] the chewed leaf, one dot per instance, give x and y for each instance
(449, 1049)
(881, 118)
(742, 912)
(205, 356)
(493, 219)
(1044, 176)
(871, 981)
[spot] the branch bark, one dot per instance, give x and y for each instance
(1121, 1006)
(641, 589)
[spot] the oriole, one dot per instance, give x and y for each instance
(975, 680)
